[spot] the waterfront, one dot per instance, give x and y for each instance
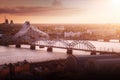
(12, 55)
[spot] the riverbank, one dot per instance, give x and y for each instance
(58, 69)
(37, 71)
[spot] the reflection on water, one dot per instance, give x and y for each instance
(11, 54)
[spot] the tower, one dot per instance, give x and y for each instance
(11, 23)
(6, 21)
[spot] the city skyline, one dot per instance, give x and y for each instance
(61, 11)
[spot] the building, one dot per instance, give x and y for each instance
(102, 31)
(6, 21)
(11, 23)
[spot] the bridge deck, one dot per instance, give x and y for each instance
(70, 46)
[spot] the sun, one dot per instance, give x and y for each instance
(115, 3)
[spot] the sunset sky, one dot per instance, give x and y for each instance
(61, 11)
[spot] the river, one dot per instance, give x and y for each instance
(11, 54)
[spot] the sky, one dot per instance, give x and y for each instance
(60, 11)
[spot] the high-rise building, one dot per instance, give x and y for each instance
(6, 21)
(11, 23)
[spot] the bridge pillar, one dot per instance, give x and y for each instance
(49, 49)
(69, 51)
(93, 53)
(41, 46)
(32, 47)
(18, 45)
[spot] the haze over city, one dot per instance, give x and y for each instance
(61, 11)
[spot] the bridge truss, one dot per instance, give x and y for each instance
(65, 44)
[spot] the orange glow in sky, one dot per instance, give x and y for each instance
(61, 11)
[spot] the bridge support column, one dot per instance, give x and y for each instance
(93, 53)
(18, 45)
(41, 46)
(49, 49)
(69, 51)
(32, 47)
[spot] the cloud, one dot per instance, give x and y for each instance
(41, 11)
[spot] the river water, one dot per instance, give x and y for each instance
(11, 54)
